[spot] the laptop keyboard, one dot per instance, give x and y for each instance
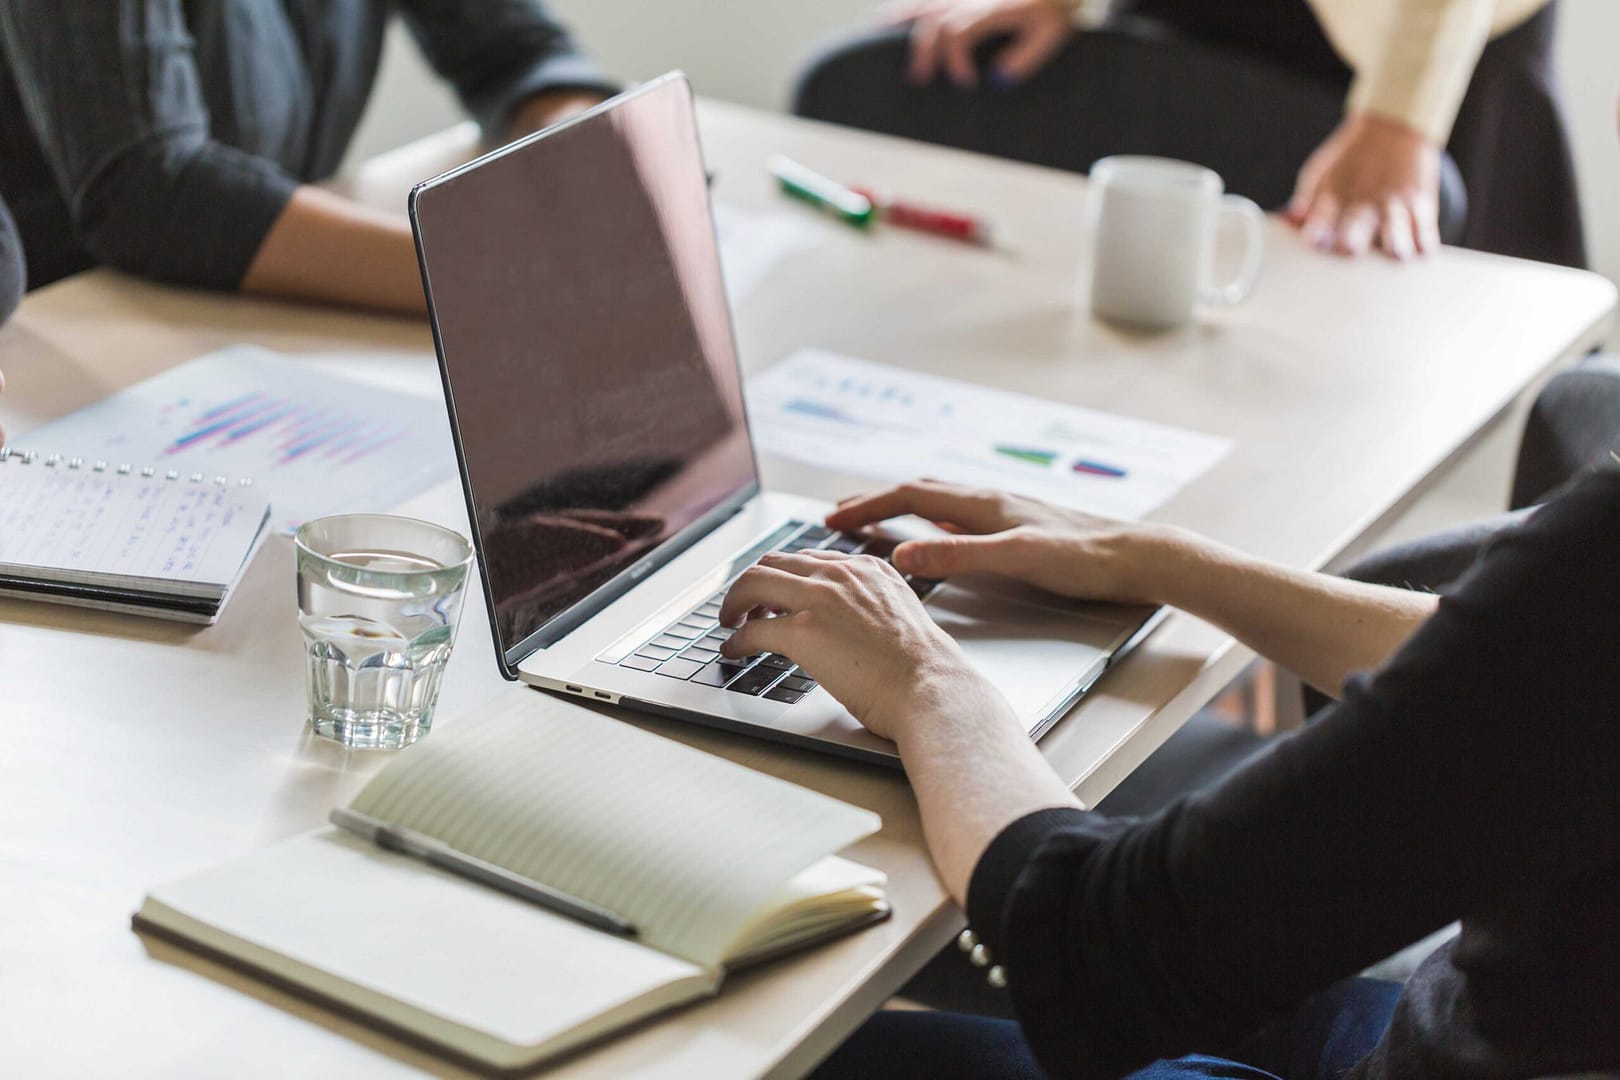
(689, 647)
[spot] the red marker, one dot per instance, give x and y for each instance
(964, 227)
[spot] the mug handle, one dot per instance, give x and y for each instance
(1254, 231)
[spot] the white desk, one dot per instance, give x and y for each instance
(135, 751)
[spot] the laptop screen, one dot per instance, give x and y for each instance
(588, 357)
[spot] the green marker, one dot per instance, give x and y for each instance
(817, 190)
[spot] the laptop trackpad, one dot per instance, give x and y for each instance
(1034, 647)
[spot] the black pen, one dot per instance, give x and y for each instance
(420, 846)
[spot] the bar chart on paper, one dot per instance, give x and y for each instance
(895, 424)
(319, 442)
(286, 430)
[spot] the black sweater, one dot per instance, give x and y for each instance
(1476, 775)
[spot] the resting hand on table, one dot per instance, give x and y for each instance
(1373, 182)
(1062, 551)
(944, 34)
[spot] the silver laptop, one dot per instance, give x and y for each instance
(590, 369)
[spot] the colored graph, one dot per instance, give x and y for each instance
(1097, 468)
(1028, 456)
(324, 433)
(805, 407)
(285, 430)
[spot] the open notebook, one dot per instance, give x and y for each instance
(116, 536)
(715, 865)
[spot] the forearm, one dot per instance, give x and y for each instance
(1419, 71)
(974, 771)
(325, 247)
(1322, 628)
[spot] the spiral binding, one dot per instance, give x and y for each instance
(54, 461)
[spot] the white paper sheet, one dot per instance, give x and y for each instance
(894, 424)
(755, 242)
(316, 441)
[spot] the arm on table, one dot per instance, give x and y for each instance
(514, 68)
(326, 247)
(1320, 627)
(127, 134)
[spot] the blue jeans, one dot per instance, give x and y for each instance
(1330, 1032)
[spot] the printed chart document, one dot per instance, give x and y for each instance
(714, 865)
(315, 441)
(894, 424)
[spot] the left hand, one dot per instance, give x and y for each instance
(1374, 181)
(550, 107)
(855, 627)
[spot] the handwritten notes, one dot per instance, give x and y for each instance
(114, 523)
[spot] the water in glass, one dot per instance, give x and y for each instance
(378, 625)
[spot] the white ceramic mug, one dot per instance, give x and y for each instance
(1153, 223)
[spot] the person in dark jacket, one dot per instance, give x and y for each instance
(180, 139)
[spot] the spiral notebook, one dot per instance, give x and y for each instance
(125, 537)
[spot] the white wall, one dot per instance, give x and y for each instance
(748, 50)
(1589, 55)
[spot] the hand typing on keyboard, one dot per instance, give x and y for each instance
(854, 624)
(689, 647)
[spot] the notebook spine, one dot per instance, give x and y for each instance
(58, 461)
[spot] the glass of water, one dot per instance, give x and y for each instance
(378, 601)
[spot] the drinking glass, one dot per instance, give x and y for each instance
(378, 602)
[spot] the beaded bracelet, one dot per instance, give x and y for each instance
(979, 956)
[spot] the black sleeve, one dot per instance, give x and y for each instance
(497, 53)
(113, 94)
(1477, 765)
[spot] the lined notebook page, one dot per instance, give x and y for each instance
(685, 845)
(102, 525)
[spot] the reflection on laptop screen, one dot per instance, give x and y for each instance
(588, 352)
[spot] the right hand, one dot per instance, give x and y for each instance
(945, 32)
(853, 624)
(1062, 551)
